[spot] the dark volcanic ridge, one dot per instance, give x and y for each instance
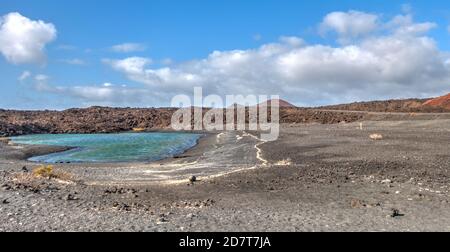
(113, 120)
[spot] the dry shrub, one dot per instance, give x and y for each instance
(49, 172)
(284, 162)
(43, 171)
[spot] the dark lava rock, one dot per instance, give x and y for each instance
(6, 187)
(396, 213)
(71, 197)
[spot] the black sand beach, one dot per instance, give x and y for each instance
(313, 178)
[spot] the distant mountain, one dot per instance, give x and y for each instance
(440, 102)
(281, 103)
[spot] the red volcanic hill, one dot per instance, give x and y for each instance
(442, 102)
(282, 103)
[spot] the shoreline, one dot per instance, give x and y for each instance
(317, 178)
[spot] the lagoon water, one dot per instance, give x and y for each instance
(123, 147)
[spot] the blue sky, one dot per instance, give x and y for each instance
(164, 48)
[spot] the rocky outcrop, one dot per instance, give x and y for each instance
(407, 106)
(90, 120)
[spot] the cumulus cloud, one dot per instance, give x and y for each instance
(381, 59)
(128, 48)
(106, 94)
(349, 25)
(404, 25)
(23, 40)
(400, 62)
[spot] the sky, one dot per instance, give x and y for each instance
(141, 53)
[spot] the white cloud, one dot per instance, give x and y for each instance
(23, 40)
(75, 61)
(106, 94)
(401, 62)
(448, 28)
(404, 25)
(390, 59)
(349, 25)
(128, 48)
(24, 76)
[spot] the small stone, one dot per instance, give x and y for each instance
(24, 169)
(193, 179)
(71, 197)
(396, 213)
(6, 187)
(386, 181)
(5, 201)
(376, 137)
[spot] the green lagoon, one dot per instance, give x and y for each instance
(101, 148)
